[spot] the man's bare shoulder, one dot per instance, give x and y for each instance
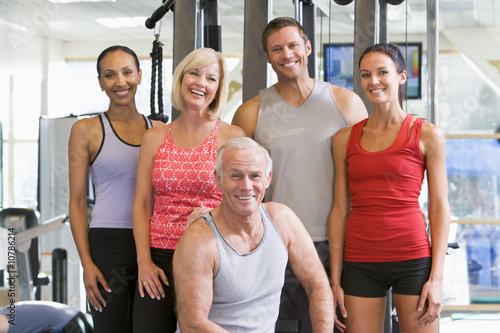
(226, 131)
(286, 221)
(342, 135)
(198, 235)
(350, 104)
(275, 207)
(341, 92)
(344, 95)
(251, 104)
(196, 256)
(279, 213)
(246, 116)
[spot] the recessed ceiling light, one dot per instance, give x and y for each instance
(73, 1)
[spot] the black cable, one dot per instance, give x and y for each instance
(157, 72)
(154, 67)
(160, 78)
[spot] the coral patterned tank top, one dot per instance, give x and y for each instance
(183, 180)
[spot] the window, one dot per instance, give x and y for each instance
(19, 119)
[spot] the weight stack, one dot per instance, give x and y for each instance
(60, 276)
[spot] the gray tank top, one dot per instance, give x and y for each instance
(299, 140)
(247, 287)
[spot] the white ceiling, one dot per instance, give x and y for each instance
(76, 22)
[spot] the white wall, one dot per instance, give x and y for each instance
(22, 59)
(90, 50)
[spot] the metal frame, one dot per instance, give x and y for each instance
(254, 61)
(186, 34)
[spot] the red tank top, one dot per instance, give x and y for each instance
(385, 223)
(183, 179)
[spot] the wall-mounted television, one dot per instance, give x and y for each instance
(338, 64)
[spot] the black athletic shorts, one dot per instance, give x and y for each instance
(366, 279)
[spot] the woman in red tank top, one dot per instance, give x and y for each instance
(378, 238)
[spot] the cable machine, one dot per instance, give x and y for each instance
(157, 74)
(370, 27)
(196, 24)
(156, 97)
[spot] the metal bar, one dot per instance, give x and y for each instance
(298, 10)
(254, 62)
(186, 33)
(211, 28)
(382, 26)
(309, 24)
(365, 29)
(432, 56)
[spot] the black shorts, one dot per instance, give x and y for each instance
(366, 279)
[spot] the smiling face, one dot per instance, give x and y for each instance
(119, 77)
(287, 53)
(243, 181)
(199, 86)
(380, 78)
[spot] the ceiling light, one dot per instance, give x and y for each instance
(122, 22)
(73, 1)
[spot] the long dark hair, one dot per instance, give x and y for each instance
(116, 48)
(393, 52)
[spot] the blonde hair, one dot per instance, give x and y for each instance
(197, 59)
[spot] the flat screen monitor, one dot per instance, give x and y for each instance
(338, 61)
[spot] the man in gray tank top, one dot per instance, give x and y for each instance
(229, 266)
(295, 120)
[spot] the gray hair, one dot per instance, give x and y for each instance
(241, 143)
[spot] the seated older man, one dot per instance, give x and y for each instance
(229, 265)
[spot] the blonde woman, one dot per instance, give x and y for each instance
(175, 172)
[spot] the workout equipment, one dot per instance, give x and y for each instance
(60, 276)
(157, 60)
(23, 222)
(159, 13)
(157, 73)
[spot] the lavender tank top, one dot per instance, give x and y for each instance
(114, 173)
